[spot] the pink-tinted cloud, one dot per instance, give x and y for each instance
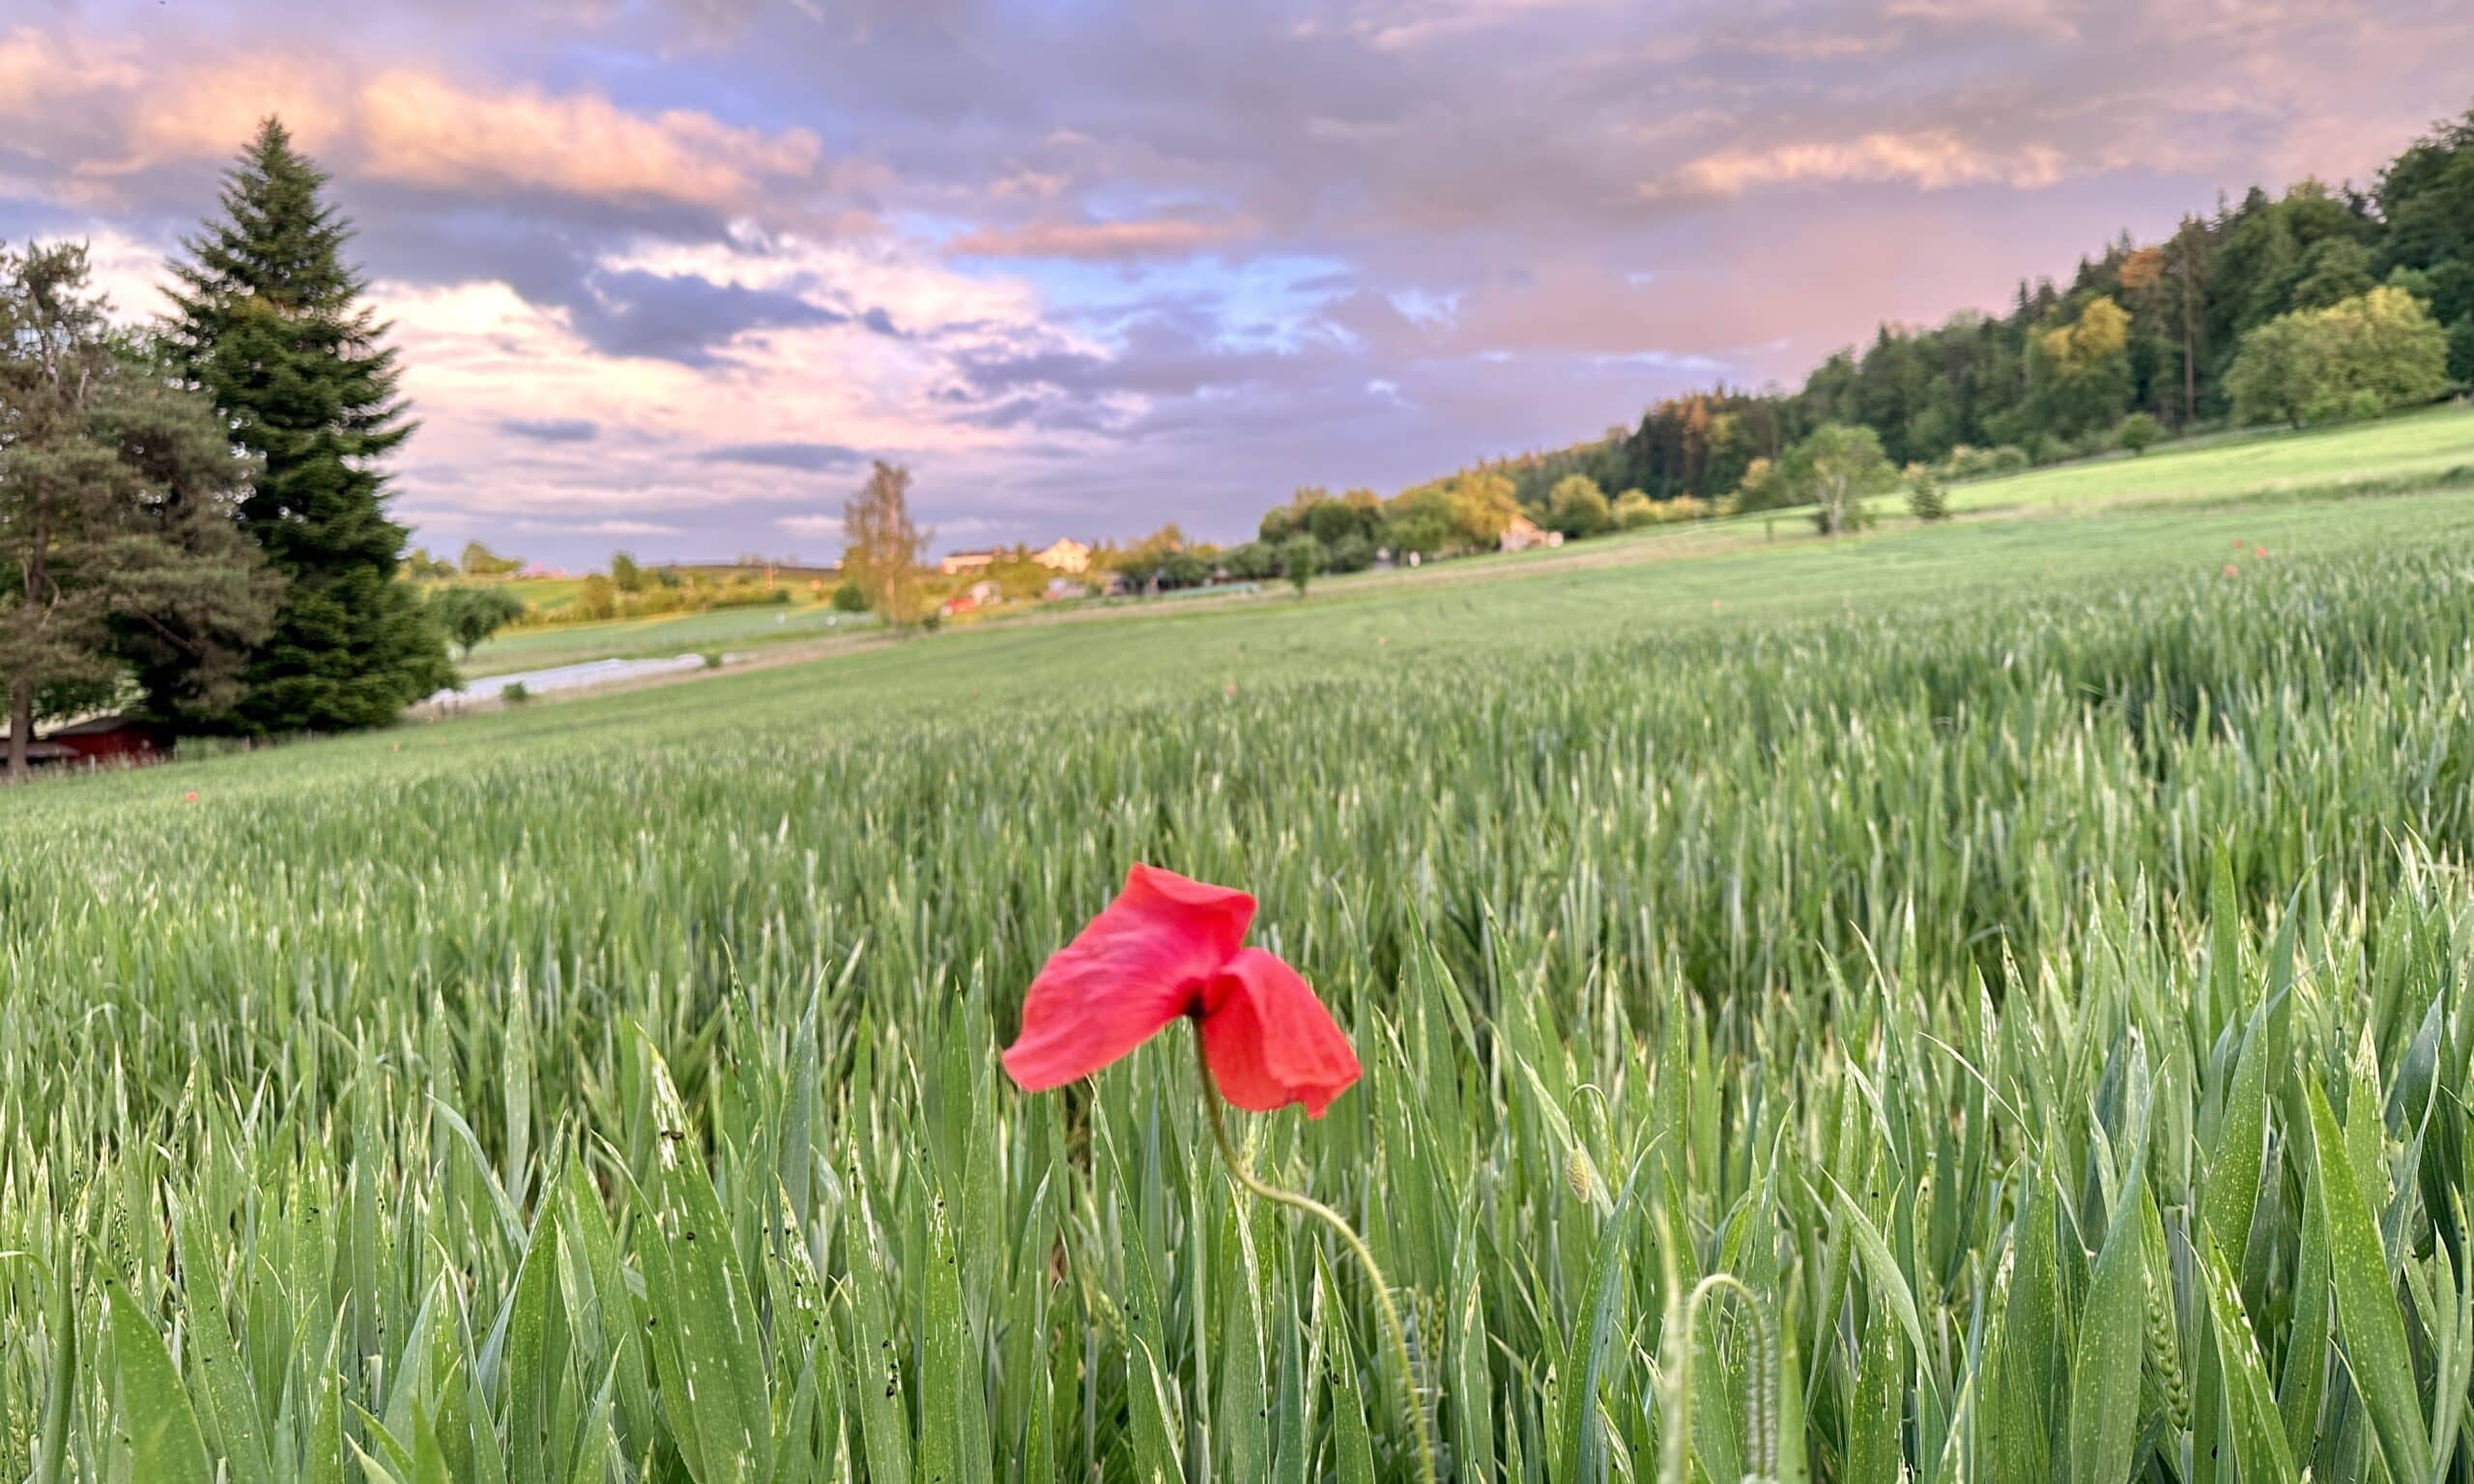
(1931, 160)
(1098, 241)
(111, 113)
(422, 129)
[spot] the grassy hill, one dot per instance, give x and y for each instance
(2396, 451)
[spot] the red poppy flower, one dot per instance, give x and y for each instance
(1170, 948)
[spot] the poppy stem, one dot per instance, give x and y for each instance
(1391, 1310)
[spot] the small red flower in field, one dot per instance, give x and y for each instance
(190, 797)
(2261, 552)
(1170, 948)
(2231, 570)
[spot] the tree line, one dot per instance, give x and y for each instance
(193, 516)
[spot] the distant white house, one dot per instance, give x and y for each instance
(965, 564)
(1523, 533)
(1064, 555)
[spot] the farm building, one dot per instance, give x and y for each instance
(965, 563)
(98, 741)
(1064, 555)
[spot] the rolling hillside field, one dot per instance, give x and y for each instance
(729, 629)
(2434, 447)
(1971, 1001)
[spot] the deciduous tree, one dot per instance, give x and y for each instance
(470, 614)
(1577, 508)
(479, 560)
(2370, 353)
(1420, 519)
(882, 546)
(1300, 556)
(2086, 363)
(2139, 433)
(596, 599)
(1483, 505)
(118, 552)
(1834, 470)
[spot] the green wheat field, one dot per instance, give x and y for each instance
(2026, 956)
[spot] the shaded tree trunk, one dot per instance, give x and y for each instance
(22, 726)
(22, 690)
(2190, 360)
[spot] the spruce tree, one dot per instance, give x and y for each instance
(1926, 499)
(270, 319)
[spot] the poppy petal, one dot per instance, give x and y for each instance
(1270, 1042)
(1142, 963)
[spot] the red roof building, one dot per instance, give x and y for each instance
(100, 742)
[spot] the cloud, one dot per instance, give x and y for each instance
(1024, 184)
(808, 458)
(551, 430)
(611, 528)
(1097, 240)
(715, 443)
(1933, 160)
(201, 112)
(110, 110)
(679, 316)
(419, 127)
(1401, 25)
(811, 524)
(39, 69)
(2052, 21)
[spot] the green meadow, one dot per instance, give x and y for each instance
(1981, 1001)
(723, 631)
(2431, 446)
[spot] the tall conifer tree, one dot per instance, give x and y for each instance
(270, 319)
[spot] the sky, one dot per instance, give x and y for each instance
(666, 275)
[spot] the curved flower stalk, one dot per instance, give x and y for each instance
(1170, 948)
(1761, 1422)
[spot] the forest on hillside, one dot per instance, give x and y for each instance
(2141, 328)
